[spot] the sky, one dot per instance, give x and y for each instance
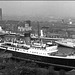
(39, 8)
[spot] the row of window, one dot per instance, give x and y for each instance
(39, 48)
(28, 51)
(39, 53)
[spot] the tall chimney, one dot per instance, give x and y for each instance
(41, 31)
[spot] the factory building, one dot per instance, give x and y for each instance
(0, 14)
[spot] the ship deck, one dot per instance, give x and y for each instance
(65, 50)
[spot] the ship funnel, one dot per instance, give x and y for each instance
(1, 28)
(27, 38)
(41, 31)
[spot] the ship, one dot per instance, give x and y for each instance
(44, 54)
(39, 52)
(66, 43)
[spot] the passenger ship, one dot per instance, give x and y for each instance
(42, 53)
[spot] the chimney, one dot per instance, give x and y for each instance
(41, 31)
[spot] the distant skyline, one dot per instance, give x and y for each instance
(38, 8)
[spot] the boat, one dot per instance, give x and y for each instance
(43, 54)
(39, 52)
(66, 43)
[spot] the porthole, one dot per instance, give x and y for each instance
(33, 52)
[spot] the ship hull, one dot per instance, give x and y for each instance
(70, 63)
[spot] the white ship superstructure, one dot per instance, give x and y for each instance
(27, 49)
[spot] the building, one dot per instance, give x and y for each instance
(0, 14)
(45, 30)
(24, 27)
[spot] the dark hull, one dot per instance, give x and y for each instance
(70, 63)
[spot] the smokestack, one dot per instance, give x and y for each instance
(27, 38)
(27, 32)
(41, 31)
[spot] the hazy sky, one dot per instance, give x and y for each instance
(39, 8)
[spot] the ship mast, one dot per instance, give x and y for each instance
(40, 40)
(38, 31)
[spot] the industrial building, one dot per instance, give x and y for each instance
(0, 14)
